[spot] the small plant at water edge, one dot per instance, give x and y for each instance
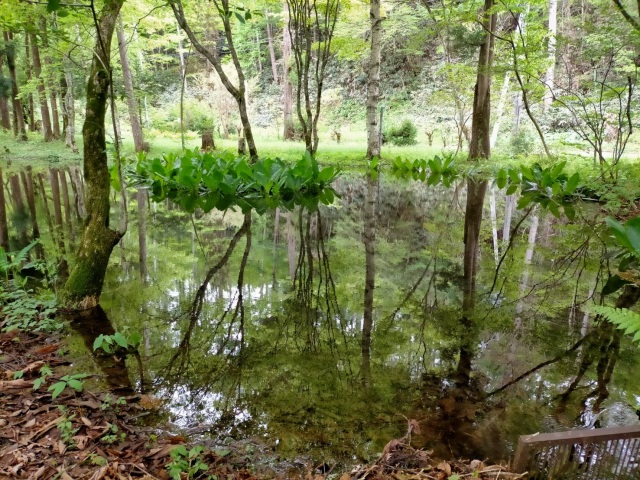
(189, 462)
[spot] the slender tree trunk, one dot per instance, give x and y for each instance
(67, 204)
(272, 52)
(19, 129)
(69, 106)
(31, 114)
(31, 200)
(136, 128)
(287, 97)
(42, 94)
(373, 81)
(47, 210)
(84, 286)
(370, 262)
(80, 200)
(4, 228)
(291, 247)
(53, 95)
(5, 116)
(479, 149)
(549, 77)
(55, 118)
(501, 104)
(259, 52)
(494, 224)
(142, 233)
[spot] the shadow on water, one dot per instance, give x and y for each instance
(258, 327)
(89, 324)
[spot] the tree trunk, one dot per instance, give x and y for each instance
(370, 260)
(480, 148)
(19, 129)
(142, 233)
(69, 108)
(472, 220)
(84, 286)
(5, 116)
(239, 92)
(501, 103)
(287, 97)
(66, 203)
(272, 52)
(31, 201)
(136, 128)
(549, 77)
(373, 81)
(55, 118)
(207, 140)
(31, 114)
(4, 229)
(291, 246)
(42, 94)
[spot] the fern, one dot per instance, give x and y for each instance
(623, 318)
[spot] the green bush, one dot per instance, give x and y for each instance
(404, 134)
(521, 143)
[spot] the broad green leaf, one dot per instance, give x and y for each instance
(619, 232)
(120, 339)
(57, 389)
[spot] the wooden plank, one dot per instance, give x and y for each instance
(594, 435)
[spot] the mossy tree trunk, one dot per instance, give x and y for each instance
(84, 285)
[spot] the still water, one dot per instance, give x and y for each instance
(262, 339)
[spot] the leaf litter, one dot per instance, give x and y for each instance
(85, 435)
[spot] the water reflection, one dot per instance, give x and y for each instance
(259, 326)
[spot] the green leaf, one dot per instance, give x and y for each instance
(97, 343)
(120, 339)
(502, 179)
(56, 389)
(179, 451)
(239, 17)
(619, 232)
(614, 283)
(632, 229)
(572, 183)
(53, 5)
(76, 384)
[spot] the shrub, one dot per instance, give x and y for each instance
(521, 143)
(404, 134)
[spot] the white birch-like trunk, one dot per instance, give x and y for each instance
(499, 113)
(494, 224)
(549, 77)
(373, 81)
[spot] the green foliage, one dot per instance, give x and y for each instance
(622, 318)
(432, 171)
(550, 187)
(187, 462)
(67, 432)
(26, 311)
(68, 381)
(627, 236)
(401, 135)
(45, 371)
(109, 342)
(521, 143)
(112, 436)
(10, 263)
(207, 181)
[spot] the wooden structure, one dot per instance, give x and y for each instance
(601, 453)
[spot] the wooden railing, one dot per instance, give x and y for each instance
(601, 453)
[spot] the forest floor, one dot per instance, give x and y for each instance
(59, 429)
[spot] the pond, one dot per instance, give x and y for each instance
(262, 339)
